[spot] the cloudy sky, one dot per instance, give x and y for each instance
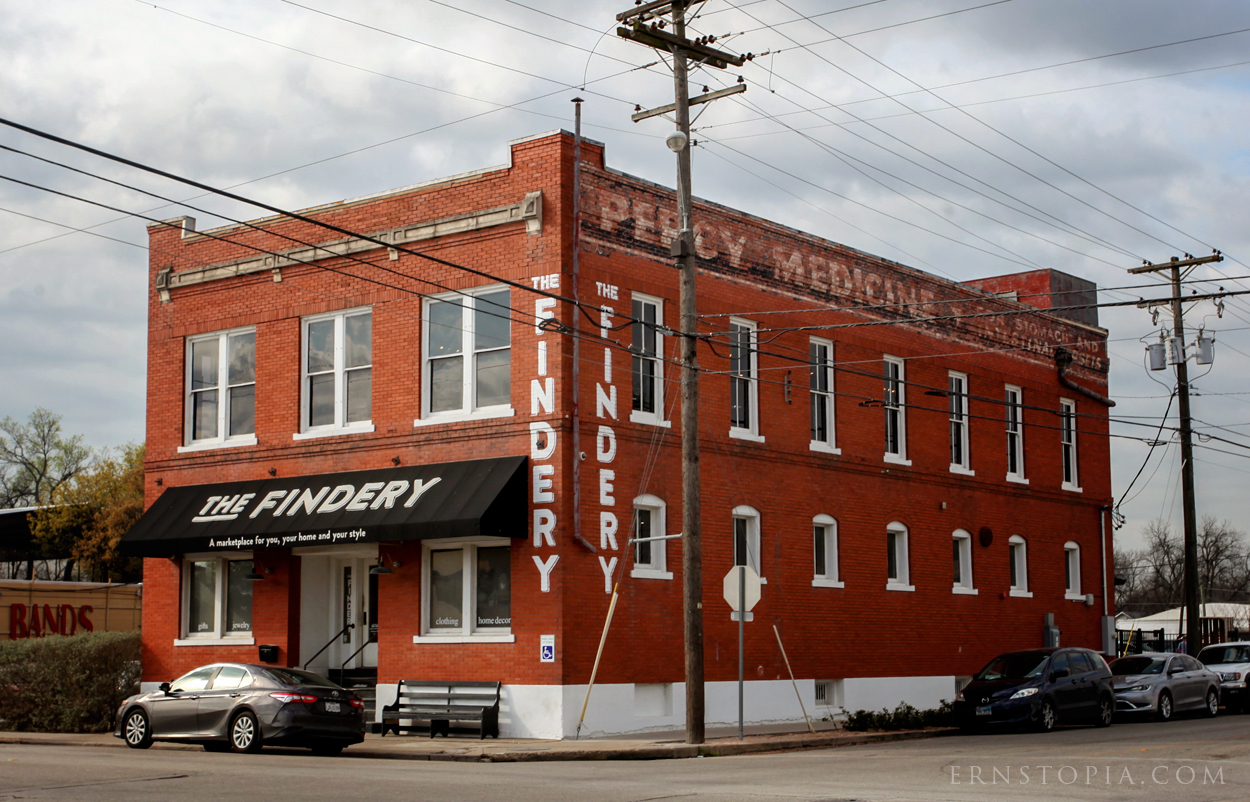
(963, 137)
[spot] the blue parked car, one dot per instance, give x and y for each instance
(1039, 687)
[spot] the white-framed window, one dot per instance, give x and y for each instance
(1072, 571)
(466, 591)
(746, 534)
(1067, 443)
(894, 400)
(221, 390)
(1018, 561)
(744, 421)
(1014, 407)
(467, 357)
(898, 571)
(820, 372)
(961, 551)
(650, 556)
(216, 599)
(825, 552)
(647, 369)
(957, 396)
(337, 387)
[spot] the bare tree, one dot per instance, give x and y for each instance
(1155, 576)
(36, 459)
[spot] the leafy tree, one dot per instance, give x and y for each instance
(36, 459)
(90, 513)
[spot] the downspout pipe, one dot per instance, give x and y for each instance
(576, 412)
(1063, 359)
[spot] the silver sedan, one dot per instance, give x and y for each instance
(1163, 684)
(239, 706)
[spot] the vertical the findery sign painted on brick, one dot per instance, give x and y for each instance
(543, 443)
(605, 453)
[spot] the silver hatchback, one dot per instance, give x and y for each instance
(240, 707)
(1161, 683)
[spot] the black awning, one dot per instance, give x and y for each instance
(456, 499)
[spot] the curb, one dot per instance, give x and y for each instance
(670, 751)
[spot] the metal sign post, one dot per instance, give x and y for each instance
(742, 591)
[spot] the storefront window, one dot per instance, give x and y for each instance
(218, 597)
(446, 589)
(494, 587)
(200, 615)
(480, 606)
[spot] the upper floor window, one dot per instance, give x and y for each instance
(649, 555)
(894, 400)
(746, 523)
(338, 373)
(221, 389)
(1067, 441)
(647, 347)
(820, 369)
(898, 571)
(1018, 556)
(825, 552)
(1072, 570)
(1015, 434)
(468, 352)
(743, 376)
(216, 597)
(961, 550)
(957, 395)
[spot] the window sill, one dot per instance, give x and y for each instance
(313, 434)
(823, 448)
(477, 638)
(897, 586)
(1070, 596)
(248, 641)
(458, 417)
(238, 442)
(1070, 488)
(745, 434)
(1020, 594)
(649, 419)
(822, 582)
(1020, 480)
(895, 459)
(960, 590)
(962, 471)
(650, 573)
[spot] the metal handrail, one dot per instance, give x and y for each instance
(343, 667)
(327, 646)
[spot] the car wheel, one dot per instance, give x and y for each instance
(245, 732)
(1164, 712)
(216, 746)
(327, 750)
(1046, 718)
(136, 730)
(1213, 703)
(1106, 712)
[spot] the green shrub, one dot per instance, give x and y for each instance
(67, 684)
(903, 717)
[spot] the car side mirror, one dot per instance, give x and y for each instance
(1058, 674)
(163, 687)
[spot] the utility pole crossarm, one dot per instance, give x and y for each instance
(1183, 298)
(706, 97)
(661, 40)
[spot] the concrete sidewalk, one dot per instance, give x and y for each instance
(657, 746)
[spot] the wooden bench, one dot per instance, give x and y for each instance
(441, 703)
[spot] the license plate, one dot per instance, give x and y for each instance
(332, 707)
(984, 710)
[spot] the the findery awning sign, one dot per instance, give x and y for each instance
(447, 500)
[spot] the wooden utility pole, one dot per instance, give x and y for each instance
(646, 26)
(1193, 626)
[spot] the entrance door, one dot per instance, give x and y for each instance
(337, 589)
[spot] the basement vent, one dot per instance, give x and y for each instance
(822, 693)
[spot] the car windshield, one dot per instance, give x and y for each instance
(1237, 653)
(1138, 665)
(1020, 665)
(294, 676)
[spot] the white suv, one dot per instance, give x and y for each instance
(1232, 662)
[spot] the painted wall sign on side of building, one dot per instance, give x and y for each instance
(48, 619)
(543, 441)
(605, 454)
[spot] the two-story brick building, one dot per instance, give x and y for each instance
(378, 425)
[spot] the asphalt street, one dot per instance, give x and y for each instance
(1192, 759)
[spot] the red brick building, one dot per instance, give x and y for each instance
(917, 494)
